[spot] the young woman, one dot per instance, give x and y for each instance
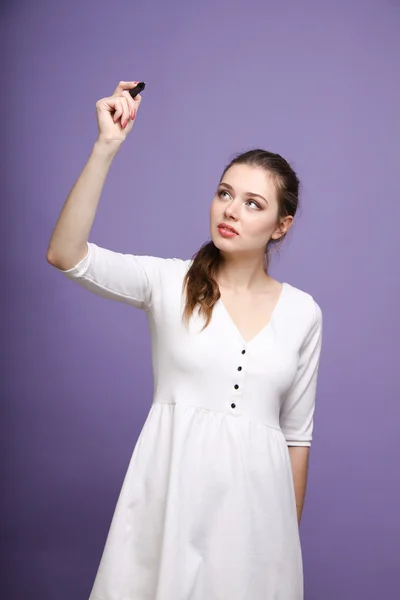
(212, 500)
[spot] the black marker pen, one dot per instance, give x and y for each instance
(137, 89)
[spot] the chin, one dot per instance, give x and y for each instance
(217, 245)
(218, 241)
(223, 245)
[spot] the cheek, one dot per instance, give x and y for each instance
(260, 226)
(213, 209)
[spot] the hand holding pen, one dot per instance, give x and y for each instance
(117, 113)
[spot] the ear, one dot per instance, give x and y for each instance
(282, 228)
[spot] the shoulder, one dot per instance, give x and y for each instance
(302, 305)
(303, 318)
(163, 271)
(153, 268)
(161, 264)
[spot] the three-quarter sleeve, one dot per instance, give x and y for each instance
(297, 410)
(122, 277)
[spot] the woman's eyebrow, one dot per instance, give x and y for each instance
(247, 193)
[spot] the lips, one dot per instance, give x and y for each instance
(228, 227)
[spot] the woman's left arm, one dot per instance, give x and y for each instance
(297, 411)
(299, 460)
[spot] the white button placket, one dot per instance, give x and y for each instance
(238, 383)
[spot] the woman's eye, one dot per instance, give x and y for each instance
(255, 203)
(223, 192)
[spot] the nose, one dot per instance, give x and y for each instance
(231, 211)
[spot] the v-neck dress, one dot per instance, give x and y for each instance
(207, 508)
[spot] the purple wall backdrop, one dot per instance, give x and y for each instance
(315, 81)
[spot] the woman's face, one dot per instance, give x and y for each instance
(246, 200)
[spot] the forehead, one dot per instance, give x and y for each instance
(246, 178)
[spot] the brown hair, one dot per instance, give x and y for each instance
(202, 291)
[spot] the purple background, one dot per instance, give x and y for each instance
(315, 81)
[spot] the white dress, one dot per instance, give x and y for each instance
(207, 508)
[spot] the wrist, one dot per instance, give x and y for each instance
(106, 148)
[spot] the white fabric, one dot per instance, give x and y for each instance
(207, 508)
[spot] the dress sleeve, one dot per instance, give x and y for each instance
(297, 411)
(122, 277)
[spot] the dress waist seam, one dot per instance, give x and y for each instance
(216, 412)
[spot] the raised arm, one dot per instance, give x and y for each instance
(115, 117)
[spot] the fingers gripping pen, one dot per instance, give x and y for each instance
(137, 89)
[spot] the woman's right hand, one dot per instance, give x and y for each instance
(116, 114)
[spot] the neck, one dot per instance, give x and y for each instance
(242, 273)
